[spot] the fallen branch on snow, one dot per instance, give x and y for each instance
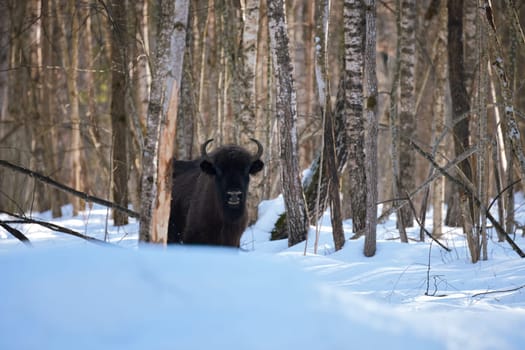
(53, 227)
(83, 195)
(16, 233)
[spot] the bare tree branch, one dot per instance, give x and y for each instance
(423, 228)
(403, 201)
(468, 189)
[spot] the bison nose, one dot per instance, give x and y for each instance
(234, 197)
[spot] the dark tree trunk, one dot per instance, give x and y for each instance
(460, 99)
(119, 120)
(372, 124)
(333, 177)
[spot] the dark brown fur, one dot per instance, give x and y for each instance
(203, 192)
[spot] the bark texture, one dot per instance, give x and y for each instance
(371, 127)
(460, 99)
(286, 110)
(119, 122)
(407, 120)
(354, 27)
(162, 121)
(438, 188)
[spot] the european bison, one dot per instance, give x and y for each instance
(208, 204)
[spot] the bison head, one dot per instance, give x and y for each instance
(231, 166)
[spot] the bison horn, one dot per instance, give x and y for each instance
(259, 149)
(204, 154)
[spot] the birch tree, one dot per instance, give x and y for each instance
(161, 123)
(371, 127)
(511, 127)
(250, 22)
(354, 20)
(250, 25)
(286, 110)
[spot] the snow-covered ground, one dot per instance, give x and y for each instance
(66, 292)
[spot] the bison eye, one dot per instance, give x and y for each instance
(256, 166)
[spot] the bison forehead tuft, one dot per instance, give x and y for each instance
(231, 155)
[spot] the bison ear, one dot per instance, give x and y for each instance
(207, 167)
(256, 166)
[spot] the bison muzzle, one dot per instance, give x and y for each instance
(208, 204)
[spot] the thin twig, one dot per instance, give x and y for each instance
(428, 269)
(501, 192)
(498, 291)
(423, 228)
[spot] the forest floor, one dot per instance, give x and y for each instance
(66, 292)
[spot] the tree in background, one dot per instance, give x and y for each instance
(439, 109)
(39, 101)
(407, 98)
(162, 121)
(372, 124)
(4, 58)
(353, 75)
(328, 152)
(119, 120)
(70, 57)
(460, 111)
(248, 103)
(286, 111)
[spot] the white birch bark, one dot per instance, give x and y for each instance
(512, 130)
(162, 115)
(286, 110)
(354, 19)
(250, 20)
(250, 15)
